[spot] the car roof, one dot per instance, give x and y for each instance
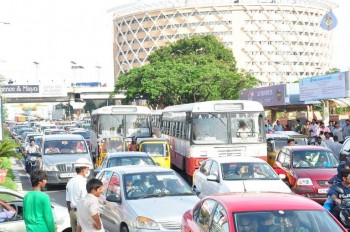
(307, 148)
(268, 136)
(139, 140)
(127, 154)
(237, 159)
(138, 169)
(63, 137)
(244, 202)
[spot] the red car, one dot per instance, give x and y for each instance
(307, 169)
(246, 212)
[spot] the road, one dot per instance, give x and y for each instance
(57, 193)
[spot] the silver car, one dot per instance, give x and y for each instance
(59, 153)
(16, 223)
(143, 198)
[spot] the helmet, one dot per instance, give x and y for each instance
(82, 162)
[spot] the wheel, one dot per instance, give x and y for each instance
(124, 228)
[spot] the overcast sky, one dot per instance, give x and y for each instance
(55, 32)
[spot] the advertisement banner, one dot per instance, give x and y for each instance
(328, 86)
(18, 91)
(268, 96)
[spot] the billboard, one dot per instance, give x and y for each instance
(328, 86)
(274, 95)
(17, 91)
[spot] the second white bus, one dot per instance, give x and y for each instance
(201, 130)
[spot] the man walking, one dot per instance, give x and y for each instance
(76, 189)
(346, 129)
(88, 208)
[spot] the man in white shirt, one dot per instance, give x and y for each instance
(88, 208)
(314, 129)
(76, 189)
(335, 146)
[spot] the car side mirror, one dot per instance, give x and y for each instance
(196, 191)
(113, 198)
(285, 165)
(213, 178)
(282, 176)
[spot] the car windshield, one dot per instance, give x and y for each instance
(314, 159)
(155, 149)
(130, 160)
(310, 221)
(64, 147)
(248, 171)
(148, 185)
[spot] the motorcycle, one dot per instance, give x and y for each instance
(344, 207)
(34, 162)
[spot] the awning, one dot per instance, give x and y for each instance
(341, 102)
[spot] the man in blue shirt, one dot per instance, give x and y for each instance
(7, 211)
(278, 126)
(337, 197)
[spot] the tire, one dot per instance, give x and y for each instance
(124, 228)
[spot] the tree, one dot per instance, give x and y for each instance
(333, 70)
(193, 69)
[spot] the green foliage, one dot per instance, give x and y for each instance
(333, 70)
(7, 149)
(193, 69)
(342, 110)
(6, 164)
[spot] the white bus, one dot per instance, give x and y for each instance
(201, 130)
(120, 120)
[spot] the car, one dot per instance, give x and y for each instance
(305, 174)
(345, 148)
(143, 198)
(85, 133)
(51, 131)
(16, 224)
(125, 159)
(240, 212)
(222, 174)
(59, 153)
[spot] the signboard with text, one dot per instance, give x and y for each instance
(17, 91)
(328, 86)
(267, 96)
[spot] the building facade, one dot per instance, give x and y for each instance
(275, 40)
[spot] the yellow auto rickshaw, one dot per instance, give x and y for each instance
(109, 145)
(157, 148)
(278, 140)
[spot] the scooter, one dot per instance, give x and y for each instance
(34, 162)
(344, 209)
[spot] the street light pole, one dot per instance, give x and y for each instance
(74, 67)
(98, 75)
(36, 70)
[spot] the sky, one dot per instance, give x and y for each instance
(53, 33)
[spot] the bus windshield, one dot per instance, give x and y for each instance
(126, 125)
(217, 128)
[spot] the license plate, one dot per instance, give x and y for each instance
(67, 175)
(322, 191)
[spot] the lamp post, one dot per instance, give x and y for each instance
(74, 67)
(98, 74)
(36, 70)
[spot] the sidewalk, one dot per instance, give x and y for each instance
(21, 177)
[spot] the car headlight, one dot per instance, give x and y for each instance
(47, 167)
(304, 181)
(146, 223)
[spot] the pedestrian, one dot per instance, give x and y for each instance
(324, 128)
(331, 126)
(328, 139)
(88, 208)
(37, 210)
(76, 189)
(337, 131)
(314, 129)
(305, 130)
(278, 126)
(319, 142)
(346, 129)
(32, 148)
(335, 146)
(290, 142)
(133, 145)
(298, 126)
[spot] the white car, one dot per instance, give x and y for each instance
(16, 223)
(236, 174)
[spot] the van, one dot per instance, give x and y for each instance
(59, 153)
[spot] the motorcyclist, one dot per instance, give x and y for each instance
(32, 148)
(337, 197)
